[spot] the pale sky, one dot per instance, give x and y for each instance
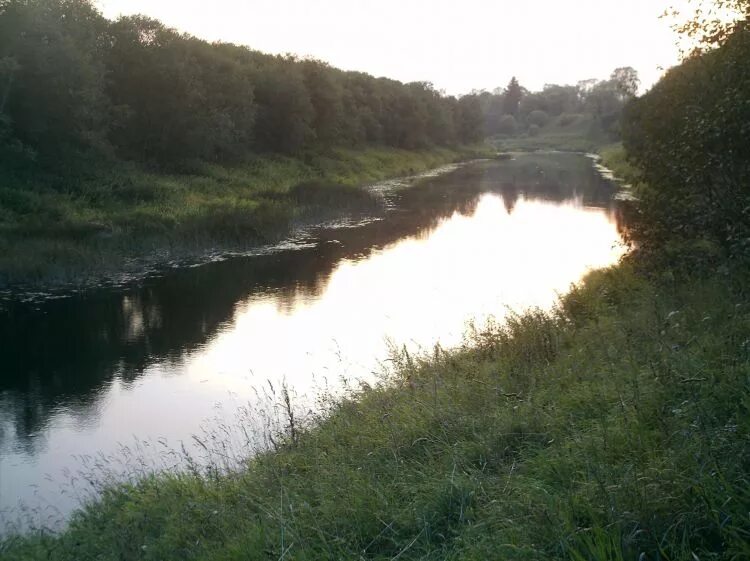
(458, 45)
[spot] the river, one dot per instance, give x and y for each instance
(116, 380)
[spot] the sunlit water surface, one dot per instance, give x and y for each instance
(179, 355)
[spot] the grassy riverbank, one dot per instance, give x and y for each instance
(570, 133)
(614, 158)
(617, 424)
(111, 217)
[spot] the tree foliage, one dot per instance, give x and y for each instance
(73, 82)
(52, 74)
(512, 97)
(625, 80)
(515, 109)
(690, 137)
(709, 23)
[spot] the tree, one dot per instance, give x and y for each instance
(538, 118)
(470, 120)
(512, 97)
(560, 99)
(71, 81)
(52, 74)
(688, 136)
(326, 96)
(507, 125)
(363, 107)
(626, 81)
(711, 22)
(285, 111)
(604, 100)
(492, 109)
(155, 84)
(8, 68)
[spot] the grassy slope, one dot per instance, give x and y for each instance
(575, 133)
(615, 425)
(62, 228)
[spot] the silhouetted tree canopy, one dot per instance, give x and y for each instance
(514, 110)
(625, 80)
(706, 24)
(689, 136)
(512, 97)
(73, 82)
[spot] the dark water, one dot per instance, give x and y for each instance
(163, 360)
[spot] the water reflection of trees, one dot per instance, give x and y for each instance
(66, 351)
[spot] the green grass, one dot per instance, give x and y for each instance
(614, 158)
(568, 132)
(93, 221)
(615, 427)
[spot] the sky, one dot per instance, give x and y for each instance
(458, 45)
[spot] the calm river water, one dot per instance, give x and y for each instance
(129, 373)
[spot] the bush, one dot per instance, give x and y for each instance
(507, 125)
(567, 119)
(538, 118)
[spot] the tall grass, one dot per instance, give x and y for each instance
(616, 426)
(614, 158)
(93, 220)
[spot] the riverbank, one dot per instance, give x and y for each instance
(572, 133)
(116, 219)
(614, 158)
(614, 425)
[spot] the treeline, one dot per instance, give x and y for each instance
(73, 82)
(516, 110)
(690, 138)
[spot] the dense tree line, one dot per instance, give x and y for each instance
(515, 109)
(690, 137)
(72, 81)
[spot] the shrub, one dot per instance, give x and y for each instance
(507, 124)
(567, 119)
(538, 118)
